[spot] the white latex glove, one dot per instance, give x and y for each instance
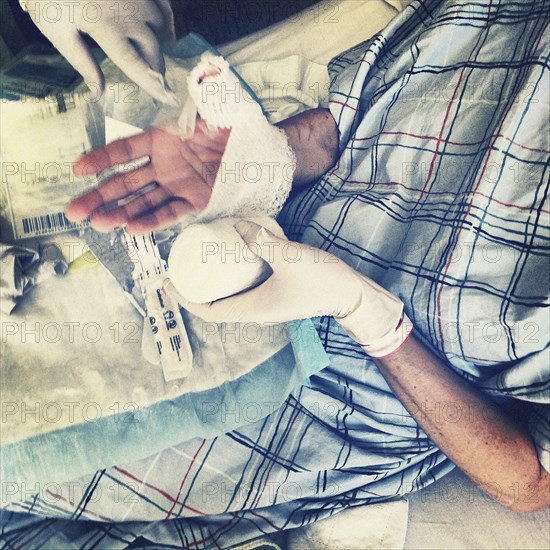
(129, 32)
(308, 282)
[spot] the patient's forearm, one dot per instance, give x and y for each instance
(313, 136)
(484, 441)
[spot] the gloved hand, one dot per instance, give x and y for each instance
(128, 32)
(178, 179)
(308, 282)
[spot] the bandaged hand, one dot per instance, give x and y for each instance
(177, 180)
(308, 282)
(128, 32)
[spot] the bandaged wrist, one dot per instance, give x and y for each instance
(256, 171)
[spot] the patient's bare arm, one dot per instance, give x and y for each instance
(480, 437)
(313, 136)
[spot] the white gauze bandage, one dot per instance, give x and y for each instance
(257, 168)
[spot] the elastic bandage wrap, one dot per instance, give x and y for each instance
(257, 167)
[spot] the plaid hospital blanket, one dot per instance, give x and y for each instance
(440, 195)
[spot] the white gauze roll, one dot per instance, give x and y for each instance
(209, 261)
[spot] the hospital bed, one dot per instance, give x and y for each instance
(452, 513)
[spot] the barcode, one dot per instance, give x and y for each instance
(49, 223)
(175, 341)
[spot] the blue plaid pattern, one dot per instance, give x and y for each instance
(441, 196)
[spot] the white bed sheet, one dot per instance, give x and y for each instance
(454, 514)
(317, 33)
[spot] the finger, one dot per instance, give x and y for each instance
(118, 152)
(168, 31)
(115, 189)
(215, 312)
(164, 216)
(108, 220)
(148, 46)
(73, 47)
(129, 60)
(248, 230)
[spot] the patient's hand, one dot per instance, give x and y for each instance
(184, 172)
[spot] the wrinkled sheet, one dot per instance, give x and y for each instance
(24, 267)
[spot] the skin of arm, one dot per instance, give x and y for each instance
(483, 439)
(313, 136)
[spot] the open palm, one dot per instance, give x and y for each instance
(177, 180)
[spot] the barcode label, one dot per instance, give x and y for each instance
(49, 223)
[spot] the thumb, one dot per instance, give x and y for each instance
(248, 230)
(201, 310)
(74, 48)
(171, 290)
(262, 242)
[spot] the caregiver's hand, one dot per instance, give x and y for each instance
(308, 282)
(177, 181)
(128, 32)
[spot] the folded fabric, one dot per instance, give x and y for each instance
(25, 267)
(77, 394)
(287, 86)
